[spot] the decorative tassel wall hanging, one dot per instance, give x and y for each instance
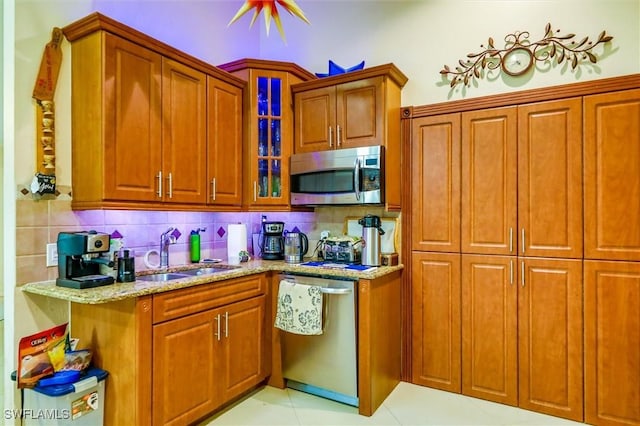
(44, 182)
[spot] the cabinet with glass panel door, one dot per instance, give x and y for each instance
(268, 121)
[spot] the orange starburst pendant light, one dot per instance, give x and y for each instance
(270, 11)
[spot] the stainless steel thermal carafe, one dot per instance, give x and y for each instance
(371, 231)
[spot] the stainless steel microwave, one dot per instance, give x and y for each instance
(341, 176)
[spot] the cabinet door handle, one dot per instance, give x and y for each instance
(522, 273)
(255, 191)
(356, 178)
(511, 272)
(170, 179)
(213, 189)
(217, 333)
(523, 240)
(159, 176)
(330, 136)
(338, 136)
(510, 240)
(226, 324)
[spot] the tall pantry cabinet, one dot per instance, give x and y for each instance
(494, 275)
(524, 229)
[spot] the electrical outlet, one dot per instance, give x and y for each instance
(324, 235)
(52, 254)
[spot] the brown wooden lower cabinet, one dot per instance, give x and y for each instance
(436, 320)
(550, 343)
(489, 328)
(175, 357)
(203, 360)
(612, 342)
(503, 328)
(522, 332)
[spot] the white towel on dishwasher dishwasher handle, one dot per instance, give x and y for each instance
(299, 308)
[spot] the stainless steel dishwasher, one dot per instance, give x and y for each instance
(326, 365)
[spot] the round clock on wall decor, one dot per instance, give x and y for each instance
(517, 61)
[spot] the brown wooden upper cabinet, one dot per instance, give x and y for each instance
(435, 188)
(182, 175)
(268, 124)
(522, 181)
(140, 120)
(224, 143)
(346, 115)
(360, 108)
(611, 176)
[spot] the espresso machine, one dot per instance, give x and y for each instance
(272, 246)
(79, 259)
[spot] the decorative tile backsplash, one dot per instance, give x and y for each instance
(38, 222)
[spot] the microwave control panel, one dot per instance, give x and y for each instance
(370, 180)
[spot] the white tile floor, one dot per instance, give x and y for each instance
(408, 404)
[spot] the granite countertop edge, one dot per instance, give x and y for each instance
(121, 291)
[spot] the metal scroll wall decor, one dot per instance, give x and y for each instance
(520, 54)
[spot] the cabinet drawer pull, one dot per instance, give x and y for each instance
(226, 324)
(255, 193)
(330, 136)
(213, 189)
(522, 273)
(170, 179)
(338, 135)
(522, 240)
(159, 176)
(217, 333)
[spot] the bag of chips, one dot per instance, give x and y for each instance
(40, 354)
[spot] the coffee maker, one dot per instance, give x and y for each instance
(79, 259)
(272, 246)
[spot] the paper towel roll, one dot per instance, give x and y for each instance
(236, 241)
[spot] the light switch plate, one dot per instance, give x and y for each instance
(52, 254)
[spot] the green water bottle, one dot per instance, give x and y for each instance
(194, 245)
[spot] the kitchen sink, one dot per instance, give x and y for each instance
(170, 276)
(207, 270)
(162, 277)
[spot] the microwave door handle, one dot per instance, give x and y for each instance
(356, 178)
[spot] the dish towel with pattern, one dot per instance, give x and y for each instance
(299, 308)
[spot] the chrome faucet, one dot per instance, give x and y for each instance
(166, 239)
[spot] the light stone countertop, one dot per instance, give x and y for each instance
(119, 291)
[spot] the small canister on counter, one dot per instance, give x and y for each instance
(126, 266)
